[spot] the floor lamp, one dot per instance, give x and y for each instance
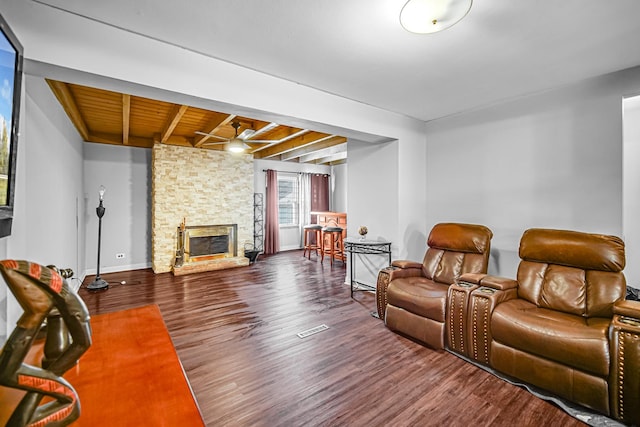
(98, 283)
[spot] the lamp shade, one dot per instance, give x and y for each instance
(236, 145)
(431, 16)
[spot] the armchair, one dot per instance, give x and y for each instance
(411, 296)
(563, 325)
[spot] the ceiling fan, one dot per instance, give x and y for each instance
(237, 144)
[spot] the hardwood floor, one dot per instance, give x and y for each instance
(235, 333)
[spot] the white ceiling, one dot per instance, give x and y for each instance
(357, 48)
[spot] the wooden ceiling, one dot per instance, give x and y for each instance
(106, 117)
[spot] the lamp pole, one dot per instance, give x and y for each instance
(98, 283)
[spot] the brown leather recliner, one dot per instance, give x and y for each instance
(563, 325)
(411, 296)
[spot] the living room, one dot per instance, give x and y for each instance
(549, 158)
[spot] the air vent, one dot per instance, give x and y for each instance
(312, 331)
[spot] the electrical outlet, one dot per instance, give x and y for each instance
(120, 256)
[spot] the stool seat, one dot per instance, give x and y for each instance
(312, 230)
(332, 243)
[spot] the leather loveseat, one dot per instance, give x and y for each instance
(562, 324)
(411, 296)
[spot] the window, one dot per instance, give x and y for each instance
(288, 202)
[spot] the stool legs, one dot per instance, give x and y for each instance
(332, 245)
(309, 246)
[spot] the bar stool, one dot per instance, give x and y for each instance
(332, 243)
(311, 230)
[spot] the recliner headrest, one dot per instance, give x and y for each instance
(458, 237)
(573, 249)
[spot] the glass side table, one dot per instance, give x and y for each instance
(354, 245)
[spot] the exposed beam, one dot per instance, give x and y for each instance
(263, 129)
(289, 136)
(126, 114)
(331, 158)
(325, 152)
(212, 126)
(316, 146)
(174, 118)
(116, 139)
(118, 115)
(66, 99)
(289, 145)
(278, 135)
(175, 140)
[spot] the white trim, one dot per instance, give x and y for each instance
(118, 268)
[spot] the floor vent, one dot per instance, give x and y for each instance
(312, 331)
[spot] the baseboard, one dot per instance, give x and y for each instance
(118, 268)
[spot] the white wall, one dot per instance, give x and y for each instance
(47, 225)
(126, 225)
(373, 175)
(339, 183)
(548, 160)
(631, 188)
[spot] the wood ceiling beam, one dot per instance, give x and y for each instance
(65, 97)
(284, 147)
(276, 134)
(182, 141)
(316, 146)
(326, 152)
(116, 139)
(126, 115)
(292, 137)
(114, 115)
(212, 126)
(331, 158)
(174, 118)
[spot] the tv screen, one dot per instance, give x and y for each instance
(10, 89)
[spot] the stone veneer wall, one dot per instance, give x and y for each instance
(204, 186)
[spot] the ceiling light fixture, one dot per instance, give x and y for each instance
(431, 16)
(236, 145)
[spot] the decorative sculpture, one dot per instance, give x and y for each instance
(41, 291)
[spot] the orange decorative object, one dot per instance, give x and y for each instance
(41, 291)
(131, 375)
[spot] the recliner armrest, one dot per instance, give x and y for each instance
(499, 283)
(397, 269)
(404, 263)
(627, 308)
(470, 278)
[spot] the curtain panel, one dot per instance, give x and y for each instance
(271, 226)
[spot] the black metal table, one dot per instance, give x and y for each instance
(365, 247)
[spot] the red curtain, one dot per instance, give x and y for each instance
(319, 194)
(271, 226)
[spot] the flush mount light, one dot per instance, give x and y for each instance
(431, 16)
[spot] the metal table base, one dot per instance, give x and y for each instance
(364, 247)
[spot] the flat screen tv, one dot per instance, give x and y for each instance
(11, 56)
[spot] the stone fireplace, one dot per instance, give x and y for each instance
(210, 242)
(192, 188)
(206, 248)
